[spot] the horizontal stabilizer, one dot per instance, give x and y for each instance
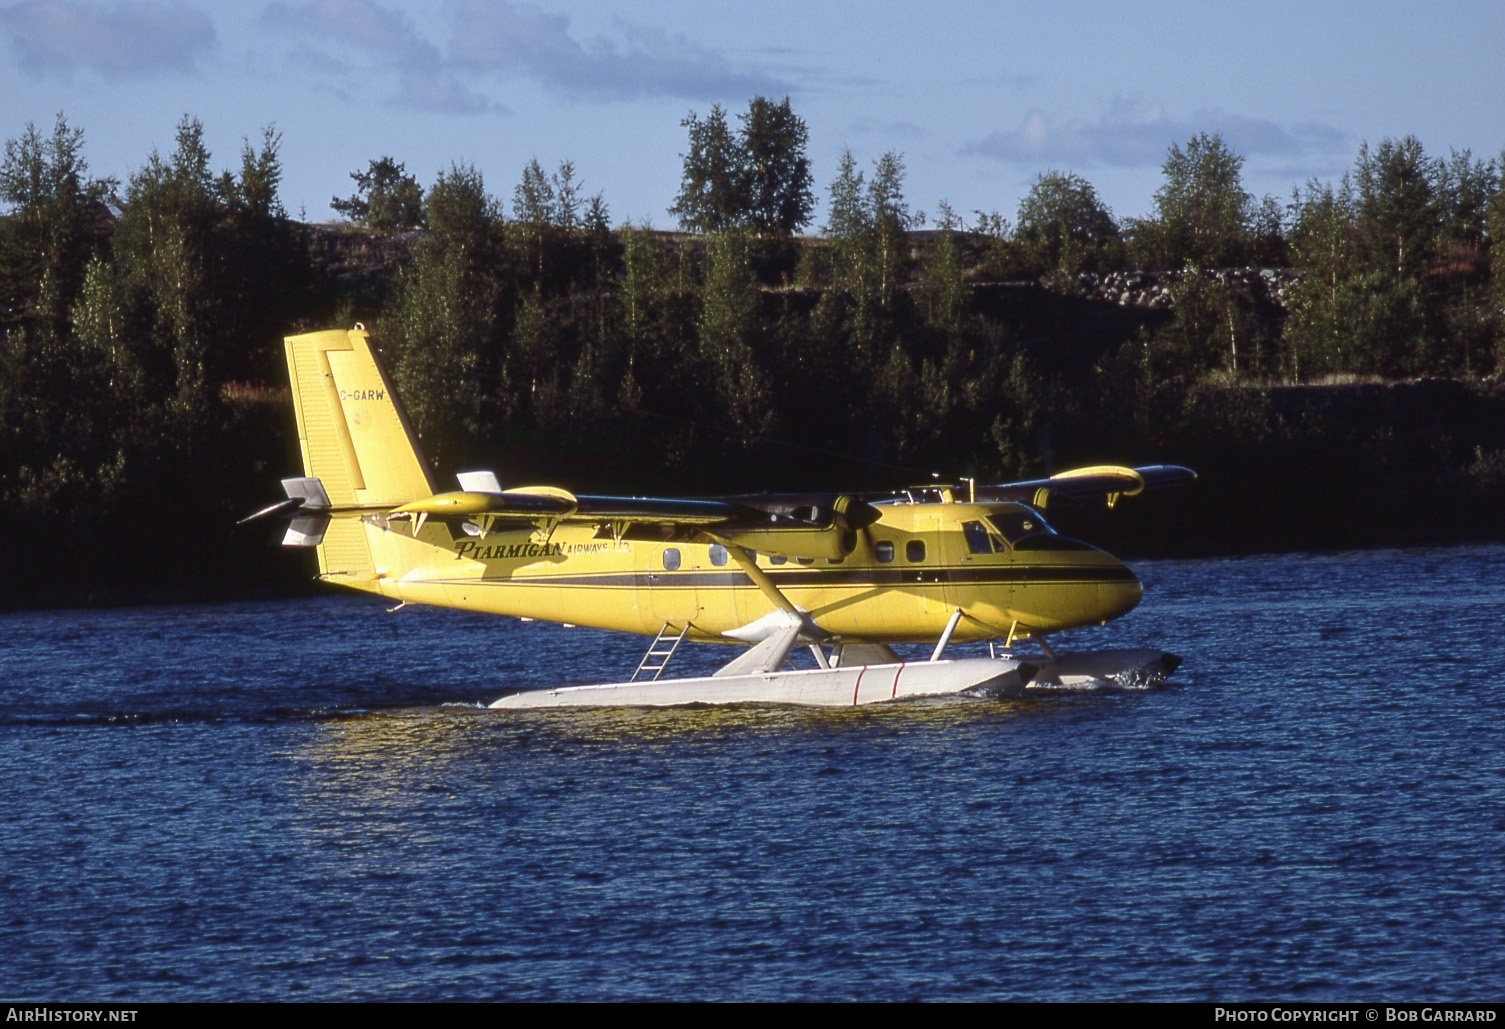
(310, 491)
(307, 507)
(306, 531)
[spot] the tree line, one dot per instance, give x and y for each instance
(140, 366)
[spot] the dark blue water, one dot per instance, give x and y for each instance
(306, 801)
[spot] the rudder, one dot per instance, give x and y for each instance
(353, 438)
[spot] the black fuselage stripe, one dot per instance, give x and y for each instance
(814, 578)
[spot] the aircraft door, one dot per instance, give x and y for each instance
(669, 578)
(934, 572)
(983, 584)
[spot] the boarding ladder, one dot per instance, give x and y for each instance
(661, 650)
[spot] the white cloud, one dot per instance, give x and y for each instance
(386, 37)
(903, 130)
(442, 92)
(119, 40)
(363, 35)
(522, 40)
(1129, 135)
(497, 40)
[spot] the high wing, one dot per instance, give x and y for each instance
(788, 524)
(1099, 482)
(793, 525)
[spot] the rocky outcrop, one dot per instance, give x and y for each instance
(1153, 289)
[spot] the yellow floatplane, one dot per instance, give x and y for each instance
(846, 576)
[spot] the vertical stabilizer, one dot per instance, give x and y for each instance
(354, 440)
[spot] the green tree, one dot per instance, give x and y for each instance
(533, 197)
(1202, 213)
(1064, 228)
(264, 271)
(1397, 205)
(998, 258)
(1268, 246)
(1210, 327)
(849, 226)
(567, 197)
(848, 216)
(551, 210)
(777, 184)
(1465, 322)
(172, 269)
(758, 178)
(1323, 305)
(711, 193)
(57, 221)
(644, 272)
(891, 219)
(597, 215)
(387, 198)
(939, 291)
(729, 328)
(868, 225)
(534, 206)
(1465, 189)
(1403, 222)
(1495, 226)
(460, 213)
(255, 191)
(445, 322)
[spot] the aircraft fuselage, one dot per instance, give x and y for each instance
(907, 574)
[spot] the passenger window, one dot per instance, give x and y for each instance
(718, 555)
(671, 558)
(914, 551)
(778, 559)
(805, 560)
(883, 550)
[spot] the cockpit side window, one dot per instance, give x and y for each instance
(980, 540)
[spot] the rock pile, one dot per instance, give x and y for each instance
(1153, 289)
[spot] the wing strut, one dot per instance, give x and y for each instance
(760, 579)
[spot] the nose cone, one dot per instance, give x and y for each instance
(1068, 584)
(1119, 591)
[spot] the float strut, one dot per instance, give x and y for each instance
(956, 616)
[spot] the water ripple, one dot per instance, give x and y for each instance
(310, 801)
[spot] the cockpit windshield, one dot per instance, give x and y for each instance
(1018, 523)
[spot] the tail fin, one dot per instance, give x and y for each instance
(354, 440)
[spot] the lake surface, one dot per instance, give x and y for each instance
(308, 800)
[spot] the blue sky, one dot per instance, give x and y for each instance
(980, 98)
